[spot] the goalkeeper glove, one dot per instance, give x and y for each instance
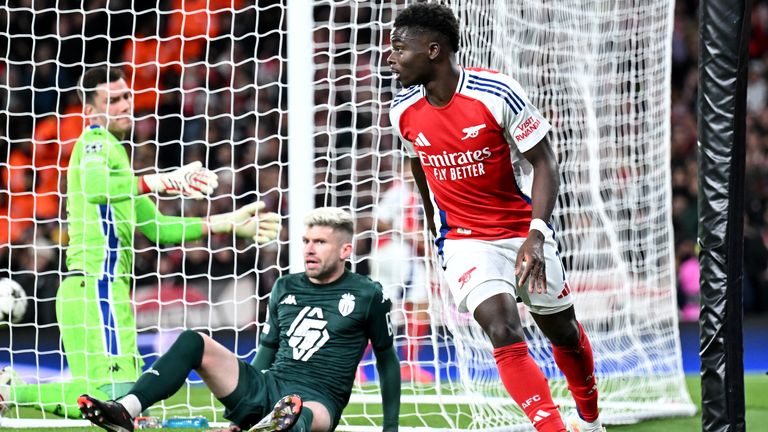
(191, 180)
(248, 222)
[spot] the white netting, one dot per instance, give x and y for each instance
(599, 70)
(211, 84)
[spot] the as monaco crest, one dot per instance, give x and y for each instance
(347, 304)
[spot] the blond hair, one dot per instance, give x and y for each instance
(332, 217)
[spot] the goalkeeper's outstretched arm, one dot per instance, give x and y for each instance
(191, 180)
(101, 185)
(249, 221)
(165, 229)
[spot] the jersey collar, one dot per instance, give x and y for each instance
(460, 85)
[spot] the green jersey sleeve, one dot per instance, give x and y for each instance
(270, 337)
(105, 170)
(379, 322)
(165, 229)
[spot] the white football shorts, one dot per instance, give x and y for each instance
(468, 263)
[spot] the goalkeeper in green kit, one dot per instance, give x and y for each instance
(106, 202)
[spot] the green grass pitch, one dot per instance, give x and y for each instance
(756, 407)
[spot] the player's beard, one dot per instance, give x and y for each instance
(322, 272)
(120, 127)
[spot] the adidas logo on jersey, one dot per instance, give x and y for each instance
(290, 299)
(422, 141)
(472, 131)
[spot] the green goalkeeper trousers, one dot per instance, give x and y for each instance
(98, 334)
(98, 329)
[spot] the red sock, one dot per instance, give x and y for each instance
(578, 366)
(528, 386)
(416, 331)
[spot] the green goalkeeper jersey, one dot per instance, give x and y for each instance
(321, 331)
(104, 207)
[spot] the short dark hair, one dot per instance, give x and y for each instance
(431, 17)
(94, 77)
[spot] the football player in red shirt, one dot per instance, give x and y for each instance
(489, 179)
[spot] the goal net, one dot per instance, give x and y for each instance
(599, 70)
(212, 83)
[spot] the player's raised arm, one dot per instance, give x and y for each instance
(248, 221)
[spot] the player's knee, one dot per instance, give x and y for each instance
(191, 344)
(318, 416)
(502, 333)
(566, 335)
(190, 338)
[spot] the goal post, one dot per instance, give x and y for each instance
(300, 126)
(289, 104)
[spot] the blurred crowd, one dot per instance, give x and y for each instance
(209, 81)
(685, 49)
(210, 84)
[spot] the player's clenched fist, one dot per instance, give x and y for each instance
(248, 221)
(191, 180)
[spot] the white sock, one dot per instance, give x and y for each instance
(131, 404)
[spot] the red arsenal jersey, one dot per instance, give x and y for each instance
(471, 152)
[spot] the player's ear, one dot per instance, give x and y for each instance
(346, 251)
(434, 50)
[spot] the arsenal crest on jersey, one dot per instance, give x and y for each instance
(347, 304)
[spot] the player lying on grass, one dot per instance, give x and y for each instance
(318, 326)
(106, 203)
